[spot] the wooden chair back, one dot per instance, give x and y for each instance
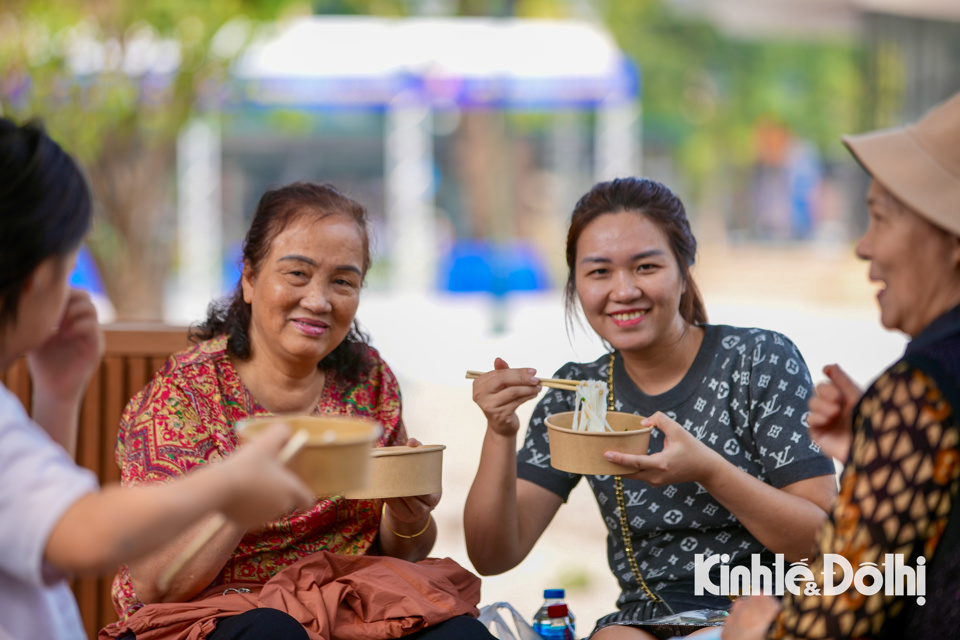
(134, 352)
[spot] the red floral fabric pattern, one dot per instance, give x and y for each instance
(184, 418)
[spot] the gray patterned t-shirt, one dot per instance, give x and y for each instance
(744, 396)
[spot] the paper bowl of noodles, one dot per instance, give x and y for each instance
(400, 472)
(336, 456)
(581, 451)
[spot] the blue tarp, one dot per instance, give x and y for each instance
(485, 266)
(85, 275)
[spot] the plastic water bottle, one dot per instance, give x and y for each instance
(550, 597)
(541, 619)
(558, 625)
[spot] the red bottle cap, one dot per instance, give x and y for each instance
(557, 611)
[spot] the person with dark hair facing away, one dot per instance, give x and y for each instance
(285, 342)
(730, 470)
(900, 439)
(54, 521)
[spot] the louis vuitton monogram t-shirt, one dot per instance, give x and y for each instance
(744, 396)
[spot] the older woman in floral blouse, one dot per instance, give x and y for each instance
(285, 343)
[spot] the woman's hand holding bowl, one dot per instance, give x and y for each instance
(267, 487)
(683, 458)
(499, 392)
(412, 510)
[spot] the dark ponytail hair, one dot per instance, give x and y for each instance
(45, 207)
(659, 205)
(277, 209)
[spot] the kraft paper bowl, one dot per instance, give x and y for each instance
(336, 457)
(399, 472)
(582, 451)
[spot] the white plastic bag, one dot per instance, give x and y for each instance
(491, 618)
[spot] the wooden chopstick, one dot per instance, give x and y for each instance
(219, 521)
(553, 383)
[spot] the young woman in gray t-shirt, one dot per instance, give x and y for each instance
(730, 469)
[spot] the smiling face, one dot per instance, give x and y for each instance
(305, 295)
(628, 282)
(917, 263)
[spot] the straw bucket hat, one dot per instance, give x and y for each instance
(918, 163)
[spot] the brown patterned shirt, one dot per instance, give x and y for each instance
(895, 497)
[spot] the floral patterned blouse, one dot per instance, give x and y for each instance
(184, 418)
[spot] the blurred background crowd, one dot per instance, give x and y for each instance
(468, 128)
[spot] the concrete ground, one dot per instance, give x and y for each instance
(819, 297)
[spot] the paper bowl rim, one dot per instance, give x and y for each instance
(601, 434)
(350, 439)
(404, 450)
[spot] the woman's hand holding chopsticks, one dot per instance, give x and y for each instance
(553, 383)
(498, 393)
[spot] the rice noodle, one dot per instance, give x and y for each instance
(590, 407)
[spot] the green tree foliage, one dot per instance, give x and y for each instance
(39, 42)
(115, 81)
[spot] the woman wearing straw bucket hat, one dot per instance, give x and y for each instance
(894, 520)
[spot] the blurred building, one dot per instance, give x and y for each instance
(914, 57)
(913, 45)
(911, 63)
(768, 19)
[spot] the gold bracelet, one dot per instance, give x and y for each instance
(383, 516)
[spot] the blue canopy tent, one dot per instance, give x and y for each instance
(411, 68)
(332, 61)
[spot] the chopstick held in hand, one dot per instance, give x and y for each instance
(553, 383)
